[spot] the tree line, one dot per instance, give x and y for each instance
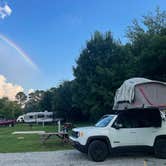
(102, 67)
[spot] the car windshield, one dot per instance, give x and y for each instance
(104, 121)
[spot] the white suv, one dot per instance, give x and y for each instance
(131, 128)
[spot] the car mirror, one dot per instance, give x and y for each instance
(118, 126)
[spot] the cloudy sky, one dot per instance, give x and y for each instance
(8, 89)
(52, 33)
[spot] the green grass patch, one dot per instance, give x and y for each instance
(32, 142)
(27, 143)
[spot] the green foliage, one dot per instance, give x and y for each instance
(47, 101)
(21, 98)
(9, 109)
(147, 46)
(63, 100)
(33, 103)
(99, 71)
(63, 103)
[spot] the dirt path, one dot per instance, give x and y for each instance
(73, 158)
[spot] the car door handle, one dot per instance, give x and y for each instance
(154, 131)
(133, 132)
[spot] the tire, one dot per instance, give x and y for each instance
(98, 151)
(160, 148)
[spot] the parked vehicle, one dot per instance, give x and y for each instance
(36, 117)
(129, 128)
(5, 122)
(20, 119)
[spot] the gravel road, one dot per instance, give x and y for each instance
(74, 158)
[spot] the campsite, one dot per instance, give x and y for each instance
(29, 143)
(82, 82)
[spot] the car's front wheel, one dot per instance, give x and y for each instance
(160, 148)
(98, 151)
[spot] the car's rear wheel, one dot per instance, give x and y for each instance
(160, 148)
(98, 151)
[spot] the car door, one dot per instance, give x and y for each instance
(149, 123)
(146, 136)
(123, 132)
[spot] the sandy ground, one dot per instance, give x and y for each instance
(75, 158)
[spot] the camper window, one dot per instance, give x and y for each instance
(40, 116)
(49, 116)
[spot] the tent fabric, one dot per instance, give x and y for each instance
(136, 92)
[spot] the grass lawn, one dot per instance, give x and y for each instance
(29, 143)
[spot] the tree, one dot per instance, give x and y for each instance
(9, 109)
(47, 102)
(100, 70)
(33, 103)
(63, 100)
(21, 98)
(147, 46)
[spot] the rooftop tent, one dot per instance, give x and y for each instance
(138, 92)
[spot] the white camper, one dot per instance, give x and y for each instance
(20, 119)
(36, 117)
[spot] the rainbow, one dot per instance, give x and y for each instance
(19, 51)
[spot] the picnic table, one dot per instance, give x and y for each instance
(62, 135)
(44, 136)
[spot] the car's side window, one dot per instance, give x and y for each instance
(125, 121)
(138, 119)
(142, 120)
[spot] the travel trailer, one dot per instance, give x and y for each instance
(20, 119)
(36, 117)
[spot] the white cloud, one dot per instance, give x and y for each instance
(5, 11)
(31, 91)
(8, 89)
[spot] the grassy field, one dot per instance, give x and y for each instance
(27, 143)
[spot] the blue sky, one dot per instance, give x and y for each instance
(53, 33)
